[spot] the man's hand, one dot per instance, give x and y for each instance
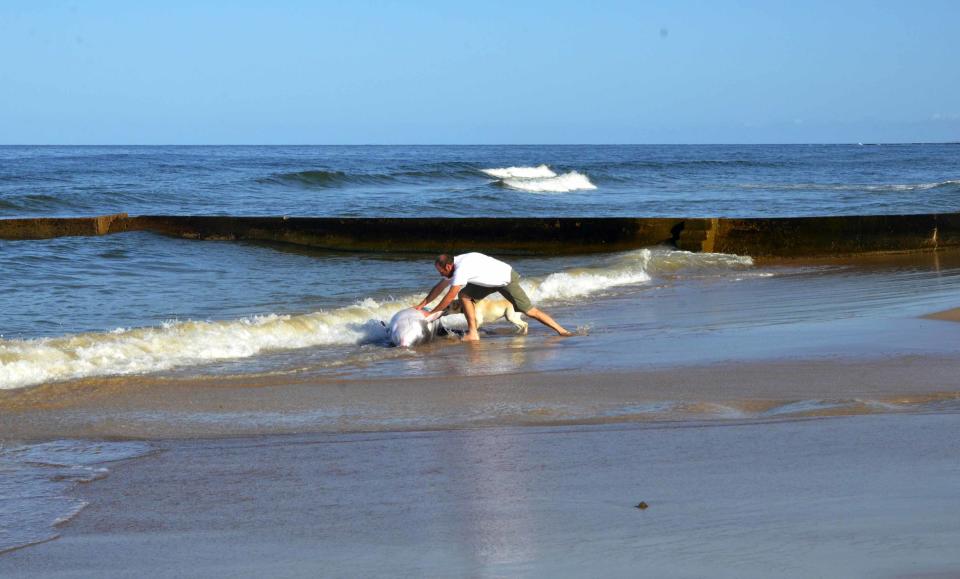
(432, 295)
(421, 307)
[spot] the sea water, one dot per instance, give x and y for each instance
(482, 181)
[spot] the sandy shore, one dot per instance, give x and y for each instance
(867, 496)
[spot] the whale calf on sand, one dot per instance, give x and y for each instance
(409, 327)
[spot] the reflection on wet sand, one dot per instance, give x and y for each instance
(494, 517)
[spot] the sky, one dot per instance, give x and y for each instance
(447, 72)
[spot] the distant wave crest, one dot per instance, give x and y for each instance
(538, 172)
(948, 184)
(540, 179)
(564, 183)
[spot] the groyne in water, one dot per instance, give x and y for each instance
(758, 237)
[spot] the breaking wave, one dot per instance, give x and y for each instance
(567, 182)
(538, 172)
(540, 179)
(184, 343)
(632, 268)
(173, 344)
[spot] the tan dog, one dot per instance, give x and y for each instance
(492, 310)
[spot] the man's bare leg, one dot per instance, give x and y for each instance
(470, 312)
(544, 319)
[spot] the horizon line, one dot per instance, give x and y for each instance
(858, 143)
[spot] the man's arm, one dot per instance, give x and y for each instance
(433, 293)
(451, 295)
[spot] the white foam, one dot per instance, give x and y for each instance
(630, 268)
(141, 350)
(175, 344)
(585, 281)
(914, 187)
(539, 171)
(564, 183)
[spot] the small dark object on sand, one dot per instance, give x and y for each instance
(642, 505)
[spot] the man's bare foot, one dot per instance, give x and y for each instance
(470, 337)
(565, 334)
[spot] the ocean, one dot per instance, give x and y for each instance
(140, 310)
(494, 181)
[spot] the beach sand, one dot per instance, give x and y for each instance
(865, 496)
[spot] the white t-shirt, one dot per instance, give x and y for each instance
(480, 269)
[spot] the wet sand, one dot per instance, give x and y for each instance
(867, 496)
(158, 407)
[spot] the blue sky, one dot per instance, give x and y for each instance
(286, 72)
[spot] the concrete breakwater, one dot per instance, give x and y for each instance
(758, 237)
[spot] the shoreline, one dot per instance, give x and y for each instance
(157, 407)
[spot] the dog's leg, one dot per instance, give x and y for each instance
(478, 313)
(514, 317)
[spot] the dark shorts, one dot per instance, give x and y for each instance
(512, 292)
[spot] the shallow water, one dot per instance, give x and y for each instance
(138, 303)
(36, 481)
(171, 304)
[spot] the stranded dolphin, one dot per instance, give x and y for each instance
(410, 327)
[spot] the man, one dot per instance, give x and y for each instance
(474, 276)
